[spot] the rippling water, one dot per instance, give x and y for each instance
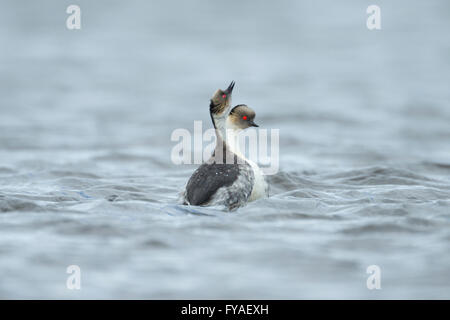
(85, 171)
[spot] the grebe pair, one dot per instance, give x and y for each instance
(228, 178)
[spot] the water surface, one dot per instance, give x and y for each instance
(85, 171)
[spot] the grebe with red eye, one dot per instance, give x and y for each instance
(219, 181)
(240, 118)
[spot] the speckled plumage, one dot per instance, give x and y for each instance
(227, 178)
(220, 184)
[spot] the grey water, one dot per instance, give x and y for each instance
(86, 176)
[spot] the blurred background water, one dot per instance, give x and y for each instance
(85, 172)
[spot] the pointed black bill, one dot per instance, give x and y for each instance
(253, 124)
(230, 87)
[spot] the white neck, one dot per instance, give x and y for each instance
(219, 122)
(232, 138)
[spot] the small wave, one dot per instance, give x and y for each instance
(439, 165)
(378, 176)
(75, 174)
(10, 205)
(6, 170)
(176, 210)
(384, 228)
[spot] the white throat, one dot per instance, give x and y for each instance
(260, 187)
(220, 124)
(232, 138)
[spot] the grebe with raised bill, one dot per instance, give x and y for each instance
(227, 179)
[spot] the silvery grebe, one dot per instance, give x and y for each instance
(227, 179)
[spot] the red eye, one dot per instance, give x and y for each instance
(244, 117)
(224, 96)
